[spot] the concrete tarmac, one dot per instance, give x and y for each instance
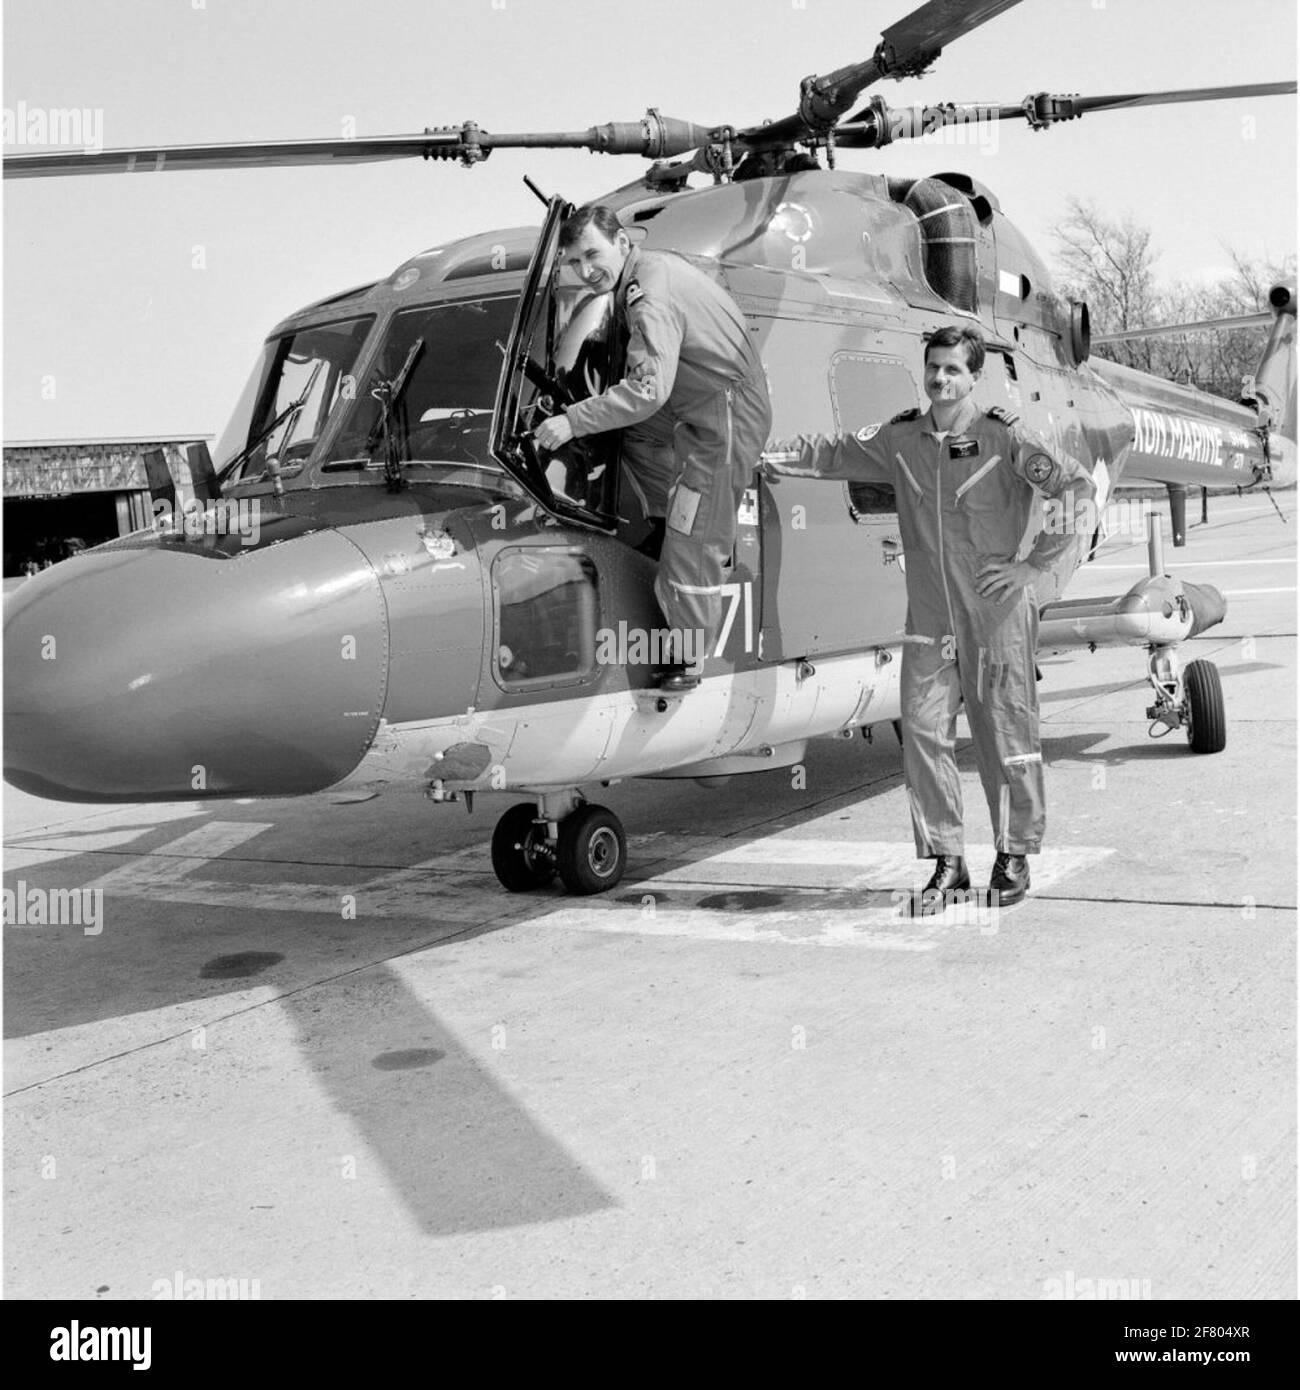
(315, 1048)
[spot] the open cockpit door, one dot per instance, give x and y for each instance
(559, 351)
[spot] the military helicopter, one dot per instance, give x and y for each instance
(427, 604)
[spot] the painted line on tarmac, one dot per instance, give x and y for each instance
(1200, 564)
(848, 925)
(756, 912)
(171, 874)
(809, 891)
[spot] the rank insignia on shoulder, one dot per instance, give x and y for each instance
(913, 414)
(634, 292)
(1002, 415)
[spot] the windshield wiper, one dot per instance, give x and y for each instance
(389, 394)
(291, 409)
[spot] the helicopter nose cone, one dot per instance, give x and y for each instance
(148, 671)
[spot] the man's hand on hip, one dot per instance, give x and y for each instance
(1001, 579)
(552, 434)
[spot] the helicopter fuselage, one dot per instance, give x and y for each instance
(453, 630)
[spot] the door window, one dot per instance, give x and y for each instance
(546, 616)
(869, 390)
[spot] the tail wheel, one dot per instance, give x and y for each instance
(1207, 726)
(592, 850)
(521, 853)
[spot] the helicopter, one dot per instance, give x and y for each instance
(428, 604)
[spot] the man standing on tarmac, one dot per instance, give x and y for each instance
(691, 358)
(965, 480)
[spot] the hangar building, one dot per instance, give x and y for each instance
(61, 495)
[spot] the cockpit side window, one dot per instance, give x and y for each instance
(547, 612)
(296, 385)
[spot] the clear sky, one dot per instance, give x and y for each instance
(143, 299)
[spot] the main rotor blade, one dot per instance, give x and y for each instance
(1112, 103)
(153, 159)
(905, 49)
(654, 137)
(881, 124)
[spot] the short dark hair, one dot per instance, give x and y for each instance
(965, 335)
(593, 215)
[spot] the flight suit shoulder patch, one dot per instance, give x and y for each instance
(1002, 415)
(634, 292)
(1039, 468)
(913, 414)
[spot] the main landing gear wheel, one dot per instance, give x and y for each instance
(1207, 726)
(521, 853)
(592, 850)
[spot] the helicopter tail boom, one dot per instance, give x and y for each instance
(1185, 437)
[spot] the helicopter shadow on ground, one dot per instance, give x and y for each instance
(460, 1151)
(1085, 748)
(1079, 692)
(362, 995)
(221, 924)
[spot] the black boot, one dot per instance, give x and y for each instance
(950, 876)
(677, 678)
(1010, 881)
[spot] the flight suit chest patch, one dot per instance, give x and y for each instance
(963, 448)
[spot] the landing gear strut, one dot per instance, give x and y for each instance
(1190, 699)
(562, 834)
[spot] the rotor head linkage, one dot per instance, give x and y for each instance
(1043, 109)
(468, 149)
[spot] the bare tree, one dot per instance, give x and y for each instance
(1217, 360)
(1110, 264)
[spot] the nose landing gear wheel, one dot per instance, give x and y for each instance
(592, 850)
(521, 854)
(1207, 729)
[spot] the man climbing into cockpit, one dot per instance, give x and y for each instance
(692, 367)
